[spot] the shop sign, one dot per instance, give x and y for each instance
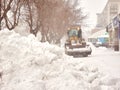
(119, 24)
(116, 21)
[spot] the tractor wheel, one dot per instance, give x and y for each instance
(85, 54)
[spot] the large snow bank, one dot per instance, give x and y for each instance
(26, 64)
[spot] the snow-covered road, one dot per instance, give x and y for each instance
(107, 60)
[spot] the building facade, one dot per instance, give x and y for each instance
(110, 18)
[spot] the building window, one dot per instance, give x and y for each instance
(113, 9)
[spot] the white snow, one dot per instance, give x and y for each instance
(100, 33)
(27, 64)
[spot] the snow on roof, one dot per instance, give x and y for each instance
(101, 33)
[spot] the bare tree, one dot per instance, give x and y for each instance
(4, 7)
(10, 8)
(55, 16)
(31, 16)
(51, 17)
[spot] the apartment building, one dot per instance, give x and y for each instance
(111, 9)
(110, 18)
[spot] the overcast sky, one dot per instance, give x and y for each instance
(92, 7)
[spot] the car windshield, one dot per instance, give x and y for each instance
(72, 32)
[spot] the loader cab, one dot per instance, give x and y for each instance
(73, 33)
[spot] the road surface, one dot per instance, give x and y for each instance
(107, 61)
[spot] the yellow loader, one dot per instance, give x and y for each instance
(75, 45)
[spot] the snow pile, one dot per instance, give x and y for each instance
(26, 64)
